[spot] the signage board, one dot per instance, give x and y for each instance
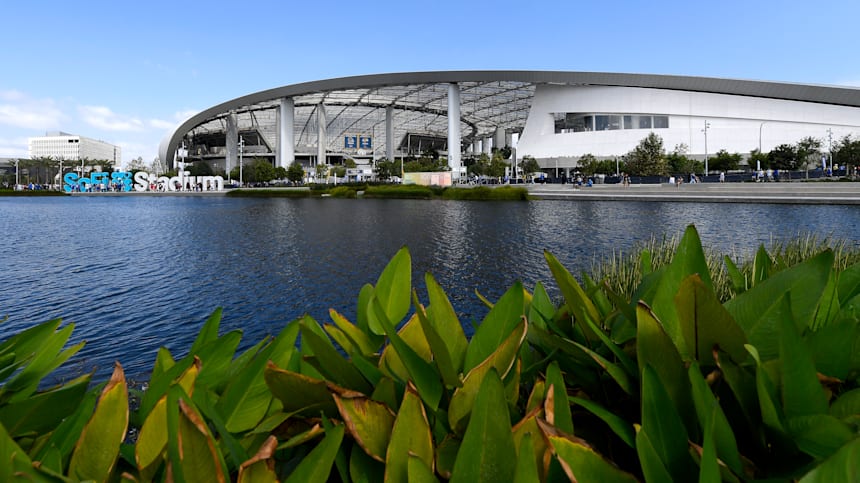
(350, 142)
(365, 142)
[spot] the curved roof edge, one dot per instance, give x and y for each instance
(837, 95)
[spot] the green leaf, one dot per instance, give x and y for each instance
(447, 369)
(444, 320)
(575, 298)
(831, 346)
(501, 361)
(393, 290)
(846, 405)
(655, 348)
(299, 393)
(46, 358)
(710, 413)
(418, 471)
(842, 466)
(363, 468)
(15, 462)
(487, 452)
(629, 365)
(410, 438)
(43, 411)
(743, 387)
(208, 333)
(359, 338)
(246, 398)
(361, 310)
(557, 407)
(199, 460)
(705, 324)
(652, 467)
(368, 421)
(423, 374)
(67, 433)
(802, 394)
(541, 308)
(759, 309)
(709, 467)
(819, 435)
(316, 466)
(739, 282)
(527, 470)
(98, 447)
(259, 469)
(848, 283)
(663, 425)
(446, 456)
(762, 266)
(496, 326)
(329, 361)
(581, 463)
(618, 373)
(616, 423)
(771, 413)
(689, 260)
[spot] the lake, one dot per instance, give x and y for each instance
(136, 273)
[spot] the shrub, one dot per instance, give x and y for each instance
(484, 193)
(409, 191)
(668, 385)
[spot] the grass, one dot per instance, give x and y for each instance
(31, 193)
(623, 271)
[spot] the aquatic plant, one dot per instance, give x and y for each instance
(667, 384)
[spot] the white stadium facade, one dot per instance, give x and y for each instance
(555, 117)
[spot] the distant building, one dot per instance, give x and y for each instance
(70, 147)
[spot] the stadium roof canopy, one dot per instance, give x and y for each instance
(356, 106)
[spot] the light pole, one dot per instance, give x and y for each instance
(830, 145)
(17, 179)
(705, 130)
(241, 152)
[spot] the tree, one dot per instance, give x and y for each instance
(784, 157)
(295, 173)
(137, 164)
(756, 159)
(497, 165)
(321, 170)
(480, 166)
(847, 151)
(529, 165)
(281, 172)
(723, 161)
(385, 169)
(808, 152)
(648, 158)
(200, 168)
(349, 163)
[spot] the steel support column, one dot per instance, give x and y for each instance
(321, 136)
(232, 144)
(287, 139)
(389, 133)
(454, 130)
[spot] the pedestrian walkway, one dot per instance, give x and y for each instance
(822, 192)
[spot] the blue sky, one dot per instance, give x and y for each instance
(126, 72)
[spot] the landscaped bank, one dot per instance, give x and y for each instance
(669, 384)
(388, 191)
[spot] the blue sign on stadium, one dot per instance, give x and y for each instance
(350, 142)
(365, 142)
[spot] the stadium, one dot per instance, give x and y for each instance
(554, 117)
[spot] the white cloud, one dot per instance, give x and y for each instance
(19, 110)
(178, 117)
(103, 118)
(13, 147)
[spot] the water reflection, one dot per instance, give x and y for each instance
(136, 273)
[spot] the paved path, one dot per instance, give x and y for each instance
(797, 193)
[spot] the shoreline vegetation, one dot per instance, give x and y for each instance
(388, 191)
(645, 370)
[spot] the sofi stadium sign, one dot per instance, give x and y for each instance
(140, 181)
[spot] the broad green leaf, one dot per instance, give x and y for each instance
(422, 374)
(802, 394)
(363, 468)
(418, 471)
(828, 305)
(316, 466)
(663, 425)
(260, 468)
(842, 466)
(759, 309)
(444, 319)
(446, 456)
(412, 334)
(47, 358)
(299, 393)
(848, 283)
(705, 324)
(25, 344)
(596, 295)
(527, 469)
(689, 259)
(66, 434)
(528, 428)
(541, 308)
(228, 441)
(629, 365)
(709, 467)
(574, 296)
(616, 423)
(361, 310)
(393, 290)
(330, 362)
(846, 405)
(771, 413)
(819, 435)
(163, 362)
(581, 463)
(655, 348)
(98, 447)
(200, 460)
(496, 327)
(357, 337)
(762, 266)
(615, 371)
(447, 369)
(410, 437)
(832, 346)
(463, 401)
(43, 411)
(216, 358)
(739, 282)
(208, 333)
(368, 421)
(652, 467)
(710, 413)
(246, 397)
(556, 405)
(15, 462)
(742, 384)
(487, 452)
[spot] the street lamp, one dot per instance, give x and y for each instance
(241, 152)
(705, 130)
(830, 146)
